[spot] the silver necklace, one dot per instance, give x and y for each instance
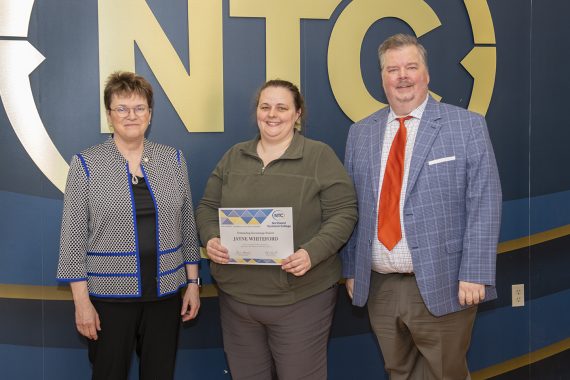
(134, 179)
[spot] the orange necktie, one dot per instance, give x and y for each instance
(389, 231)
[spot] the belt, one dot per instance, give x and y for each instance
(408, 274)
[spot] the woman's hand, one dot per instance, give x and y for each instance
(217, 252)
(190, 302)
(298, 263)
(349, 286)
(87, 319)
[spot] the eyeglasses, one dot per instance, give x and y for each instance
(123, 111)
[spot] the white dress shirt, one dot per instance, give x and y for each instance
(399, 260)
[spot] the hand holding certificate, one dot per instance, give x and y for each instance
(257, 236)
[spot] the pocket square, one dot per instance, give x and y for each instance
(440, 160)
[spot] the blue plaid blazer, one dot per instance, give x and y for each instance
(452, 209)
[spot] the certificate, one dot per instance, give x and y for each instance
(257, 236)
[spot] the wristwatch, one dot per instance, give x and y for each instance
(197, 281)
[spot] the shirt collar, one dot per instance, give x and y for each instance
(294, 151)
(416, 113)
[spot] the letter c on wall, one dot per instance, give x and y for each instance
(346, 41)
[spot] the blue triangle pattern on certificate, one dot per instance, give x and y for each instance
(261, 215)
(246, 216)
(248, 260)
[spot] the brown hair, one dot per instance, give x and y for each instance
(398, 41)
(294, 90)
(125, 83)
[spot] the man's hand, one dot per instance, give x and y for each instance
(471, 293)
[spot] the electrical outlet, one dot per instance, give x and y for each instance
(518, 295)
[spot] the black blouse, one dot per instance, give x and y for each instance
(146, 230)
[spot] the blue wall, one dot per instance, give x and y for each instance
(526, 118)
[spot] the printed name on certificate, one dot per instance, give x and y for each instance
(257, 236)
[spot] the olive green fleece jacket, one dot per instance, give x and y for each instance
(310, 178)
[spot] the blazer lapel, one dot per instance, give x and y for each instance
(427, 131)
(377, 130)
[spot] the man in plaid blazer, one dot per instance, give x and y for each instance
(423, 291)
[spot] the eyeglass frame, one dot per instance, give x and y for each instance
(134, 109)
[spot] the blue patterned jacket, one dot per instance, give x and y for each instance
(99, 241)
(452, 207)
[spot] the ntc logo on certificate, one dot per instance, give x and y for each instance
(257, 236)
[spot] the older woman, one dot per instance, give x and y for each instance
(276, 319)
(128, 240)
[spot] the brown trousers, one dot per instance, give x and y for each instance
(285, 342)
(414, 343)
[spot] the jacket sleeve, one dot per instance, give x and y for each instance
(483, 207)
(74, 224)
(190, 243)
(338, 207)
(348, 251)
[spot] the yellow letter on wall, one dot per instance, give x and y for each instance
(283, 30)
(346, 41)
(197, 97)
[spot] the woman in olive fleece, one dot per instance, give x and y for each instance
(276, 319)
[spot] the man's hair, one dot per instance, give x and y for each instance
(398, 41)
